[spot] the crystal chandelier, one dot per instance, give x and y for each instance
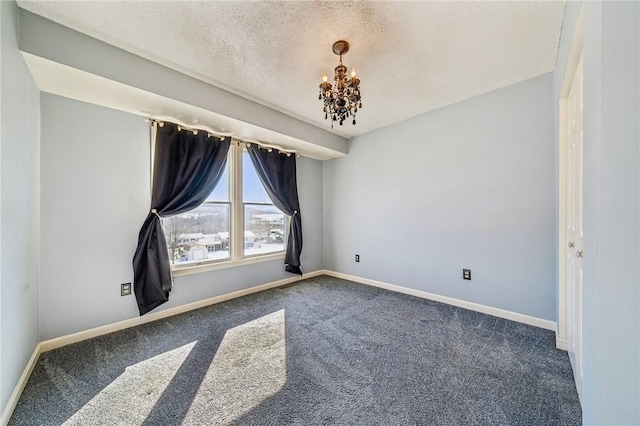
(342, 100)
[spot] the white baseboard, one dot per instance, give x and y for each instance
(48, 345)
(17, 391)
(496, 312)
(561, 343)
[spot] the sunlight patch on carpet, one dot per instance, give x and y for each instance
(248, 368)
(136, 391)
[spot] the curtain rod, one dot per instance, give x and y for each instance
(211, 132)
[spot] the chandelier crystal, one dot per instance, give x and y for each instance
(341, 100)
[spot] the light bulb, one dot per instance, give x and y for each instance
(324, 77)
(353, 72)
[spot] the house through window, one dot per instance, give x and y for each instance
(237, 220)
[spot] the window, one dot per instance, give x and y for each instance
(238, 220)
(264, 224)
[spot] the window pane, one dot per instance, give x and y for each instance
(221, 191)
(199, 235)
(264, 229)
(253, 191)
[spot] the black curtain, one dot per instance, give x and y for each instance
(277, 172)
(187, 168)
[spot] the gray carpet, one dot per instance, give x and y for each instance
(324, 351)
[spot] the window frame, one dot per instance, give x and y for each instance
(237, 224)
(285, 225)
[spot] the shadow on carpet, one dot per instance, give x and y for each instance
(324, 351)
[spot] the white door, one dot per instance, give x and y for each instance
(574, 226)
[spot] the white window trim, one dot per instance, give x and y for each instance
(237, 209)
(236, 233)
(181, 270)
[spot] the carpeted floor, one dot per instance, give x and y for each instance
(324, 351)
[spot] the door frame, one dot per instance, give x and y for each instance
(572, 64)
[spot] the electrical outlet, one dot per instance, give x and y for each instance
(357, 258)
(466, 274)
(125, 289)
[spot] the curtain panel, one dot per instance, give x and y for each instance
(277, 172)
(187, 167)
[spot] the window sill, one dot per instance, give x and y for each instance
(179, 271)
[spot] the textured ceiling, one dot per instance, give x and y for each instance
(412, 57)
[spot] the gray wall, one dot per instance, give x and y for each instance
(471, 185)
(95, 196)
(47, 39)
(611, 286)
(19, 155)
